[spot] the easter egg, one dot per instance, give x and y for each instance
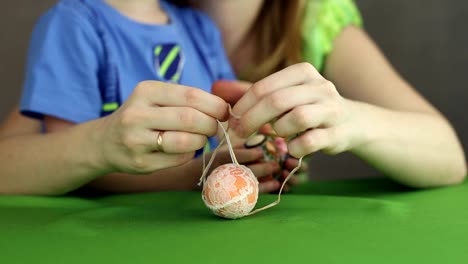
(231, 191)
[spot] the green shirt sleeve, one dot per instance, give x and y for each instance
(323, 21)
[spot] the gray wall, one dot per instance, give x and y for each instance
(16, 21)
(426, 40)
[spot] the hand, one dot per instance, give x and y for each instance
(287, 164)
(252, 158)
(186, 115)
(301, 105)
(231, 92)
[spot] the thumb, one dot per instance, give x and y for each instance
(230, 91)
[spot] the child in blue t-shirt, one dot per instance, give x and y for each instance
(86, 56)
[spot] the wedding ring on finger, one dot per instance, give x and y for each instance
(159, 142)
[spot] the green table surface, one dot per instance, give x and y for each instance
(357, 221)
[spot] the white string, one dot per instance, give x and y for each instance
(231, 151)
(291, 173)
(207, 167)
(228, 140)
(232, 113)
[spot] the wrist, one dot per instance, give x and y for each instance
(374, 124)
(361, 123)
(93, 137)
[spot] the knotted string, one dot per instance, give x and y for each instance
(227, 139)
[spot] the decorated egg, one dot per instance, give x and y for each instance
(231, 191)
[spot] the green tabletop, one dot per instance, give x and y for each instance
(359, 221)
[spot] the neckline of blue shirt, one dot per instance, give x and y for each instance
(128, 21)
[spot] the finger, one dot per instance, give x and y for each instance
(266, 178)
(303, 118)
(179, 119)
(172, 142)
(274, 105)
(297, 74)
(266, 129)
(293, 180)
(264, 168)
(312, 141)
(291, 163)
(243, 156)
(269, 186)
(230, 91)
(169, 94)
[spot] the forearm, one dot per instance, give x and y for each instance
(180, 178)
(417, 149)
(49, 164)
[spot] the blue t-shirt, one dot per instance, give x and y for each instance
(84, 55)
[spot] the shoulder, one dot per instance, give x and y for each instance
(323, 21)
(342, 11)
(68, 18)
(68, 15)
(65, 29)
(330, 15)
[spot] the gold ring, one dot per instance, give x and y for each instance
(159, 142)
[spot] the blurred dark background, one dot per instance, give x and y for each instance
(426, 40)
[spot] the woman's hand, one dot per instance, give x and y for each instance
(185, 116)
(301, 105)
(253, 159)
(231, 92)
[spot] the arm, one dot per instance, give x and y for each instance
(16, 124)
(402, 134)
(33, 163)
(183, 177)
(127, 139)
(55, 163)
(383, 120)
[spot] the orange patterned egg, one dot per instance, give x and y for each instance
(231, 191)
